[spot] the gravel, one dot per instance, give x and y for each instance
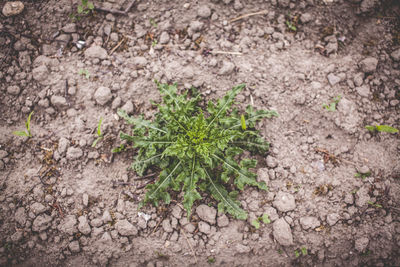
(83, 225)
(164, 38)
(58, 101)
(363, 90)
(38, 208)
(282, 232)
(333, 79)
(284, 202)
(68, 225)
(206, 213)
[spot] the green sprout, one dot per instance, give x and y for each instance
(265, 219)
(84, 72)
(99, 134)
(302, 251)
(362, 175)
(381, 128)
(27, 132)
(375, 204)
(333, 104)
(291, 26)
(153, 23)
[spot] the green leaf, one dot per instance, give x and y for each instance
(99, 127)
(28, 124)
(96, 141)
(296, 253)
(80, 9)
(370, 128)
(138, 122)
(304, 251)
(20, 133)
(243, 122)
(90, 5)
(191, 194)
(386, 129)
(265, 219)
(255, 223)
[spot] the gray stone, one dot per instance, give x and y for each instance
(222, 220)
(349, 199)
(12, 8)
(309, 222)
(284, 202)
(177, 212)
(332, 219)
(140, 31)
(361, 244)
(125, 228)
(306, 17)
(20, 216)
(363, 90)
(240, 248)
(226, 68)
(262, 175)
(69, 28)
(333, 79)
(114, 37)
(63, 144)
(105, 238)
(96, 52)
(85, 199)
(368, 65)
(271, 162)
(83, 225)
(204, 11)
(58, 101)
(196, 26)
(204, 227)
(272, 214)
(68, 225)
(128, 107)
(166, 224)
(282, 232)
(358, 79)
(38, 208)
(106, 217)
(139, 62)
(362, 197)
(74, 247)
(102, 95)
(13, 90)
(364, 170)
(74, 153)
(164, 38)
(40, 73)
(41, 223)
(96, 222)
(206, 213)
(396, 55)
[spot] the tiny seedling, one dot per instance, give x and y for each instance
(333, 104)
(291, 26)
(198, 148)
(154, 43)
(375, 205)
(27, 132)
(84, 72)
(362, 175)
(381, 128)
(211, 260)
(153, 23)
(302, 251)
(84, 8)
(99, 133)
(257, 222)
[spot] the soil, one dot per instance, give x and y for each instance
(334, 187)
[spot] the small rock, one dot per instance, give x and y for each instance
(166, 224)
(40, 73)
(332, 219)
(106, 217)
(262, 175)
(69, 28)
(204, 227)
(282, 232)
(102, 95)
(396, 55)
(242, 248)
(363, 90)
(74, 153)
(58, 101)
(306, 17)
(85, 199)
(68, 225)
(63, 144)
(309, 222)
(358, 79)
(139, 62)
(284, 3)
(84, 226)
(361, 244)
(96, 222)
(74, 247)
(13, 90)
(206, 213)
(333, 79)
(20, 216)
(222, 220)
(41, 223)
(227, 68)
(13, 8)
(38, 208)
(204, 11)
(364, 170)
(368, 65)
(362, 197)
(196, 26)
(125, 228)
(105, 238)
(164, 38)
(139, 30)
(177, 212)
(284, 202)
(272, 214)
(271, 162)
(349, 199)
(96, 52)
(128, 107)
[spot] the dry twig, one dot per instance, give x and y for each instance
(249, 15)
(190, 245)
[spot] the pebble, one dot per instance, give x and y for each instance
(74, 153)
(125, 228)
(358, 79)
(68, 225)
(40, 73)
(363, 90)
(204, 227)
(97, 222)
(58, 101)
(164, 38)
(17, 236)
(63, 144)
(332, 219)
(368, 65)
(20, 216)
(306, 17)
(204, 11)
(128, 107)
(206, 213)
(139, 62)
(96, 52)
(166, 224)
(309, 222)
(102, 95)
(333, 79)
(83, 225)
(177, 212)
(272, 214)
(271, 162)
(13, 8)
(242, 248)
(13, 90)
(106, 217)
(74, 247)
(396, 55)
(196, 26)
(223, 220)
(363, 169)
(41, 223)
(69, 28)
(38, 208)
(85, 199)
(361, 244)
(282, 232)
(284, 202)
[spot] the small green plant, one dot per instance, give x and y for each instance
(257, 222)
(99, 133)
(154, 43)
(84, 8)
(291, 26)
(333, 104)
(381, 128)
(196, 149)
(84, 72)
(302, 251)
(211, 260)
(362, 175)
(375, 205)
(27, 132)
(153, 23)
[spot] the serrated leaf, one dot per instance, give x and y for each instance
(191, 194)
(138, 122)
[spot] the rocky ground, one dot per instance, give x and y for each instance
(334, 187)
